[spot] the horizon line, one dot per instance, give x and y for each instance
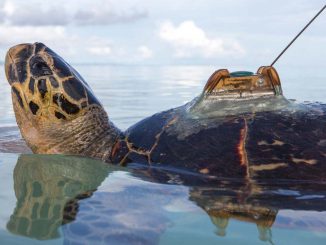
(131, 64)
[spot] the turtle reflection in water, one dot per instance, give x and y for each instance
(240, 126)
(48, 191)
(55, 190)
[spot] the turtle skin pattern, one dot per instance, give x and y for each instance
(49, 84)
(286, 144)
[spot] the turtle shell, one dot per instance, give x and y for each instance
(288, 143)
(240, 126)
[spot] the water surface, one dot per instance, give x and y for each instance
(130, 93)
(70, 200)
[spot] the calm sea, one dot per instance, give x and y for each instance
(130, 93)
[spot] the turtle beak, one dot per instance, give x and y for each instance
(14, 55)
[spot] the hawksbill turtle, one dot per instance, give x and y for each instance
(241, 125)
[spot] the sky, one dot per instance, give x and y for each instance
(224, 33)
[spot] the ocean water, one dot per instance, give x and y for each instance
(70, 200)
(130, 93)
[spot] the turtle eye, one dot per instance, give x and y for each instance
(39, 67)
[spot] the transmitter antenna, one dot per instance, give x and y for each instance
(293, 40)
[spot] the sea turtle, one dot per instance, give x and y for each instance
(241, 125)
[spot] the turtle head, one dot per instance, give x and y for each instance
(43, 82)
(55, 108)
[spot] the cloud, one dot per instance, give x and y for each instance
(99, 47)
(100, 50)
(72, 47)
(107, 16)
(189, 40)
(56, 37)
(16, 34)
(1, 15)
(144, 52)
(38, 14)
(31, 16)
(8, 8)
